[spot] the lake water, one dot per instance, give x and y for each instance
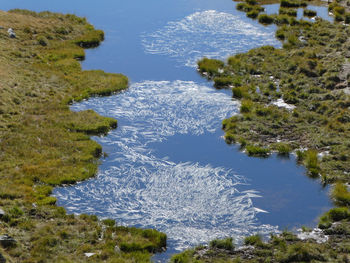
(168, 167)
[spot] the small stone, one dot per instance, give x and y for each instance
(89, 254)
(2, 213)
(11, 33)
(117, 249)
(7, 241)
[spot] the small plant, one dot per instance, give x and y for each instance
(210, 66)
(246, 106)
(226, 244)
(253, 150)
(283, 148)
(341, 195)
(311, 162)
(254, 241)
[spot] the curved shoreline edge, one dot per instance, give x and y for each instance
(294, 99)
(43, 144)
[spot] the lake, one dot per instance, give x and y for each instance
(167, 165)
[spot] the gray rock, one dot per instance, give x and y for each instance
(7, 241)
(11, 33)
(117, 249)
(2, 213)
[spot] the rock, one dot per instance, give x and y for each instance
(2, 213)
(89, 254)
(11, 33)
(7, 241)
(315, 234)
(117, 249)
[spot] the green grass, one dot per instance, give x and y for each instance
(309, 13)
(43, 144)
(265, 19)
(341, 194)
(226, 244)
(210, 66)
(257, 151)
(308, 71)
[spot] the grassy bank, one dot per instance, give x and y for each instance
(294, 99)
(43, 144)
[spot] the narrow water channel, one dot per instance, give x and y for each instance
(168, 167)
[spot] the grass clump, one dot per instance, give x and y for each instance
(254, 240)
(293, 3)
(257, 151)
(341, 194)
(210, 66)
(222, 82)
(288, 11)
(309, 13)
(226, 244)
(265, 19)
(91, 39)
(283, 148)
(251, 8)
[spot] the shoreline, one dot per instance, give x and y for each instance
(272, 119)
(44, 144)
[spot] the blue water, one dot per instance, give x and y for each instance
(168, 167)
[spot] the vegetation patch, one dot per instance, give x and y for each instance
(294, 99)
(43, 144)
